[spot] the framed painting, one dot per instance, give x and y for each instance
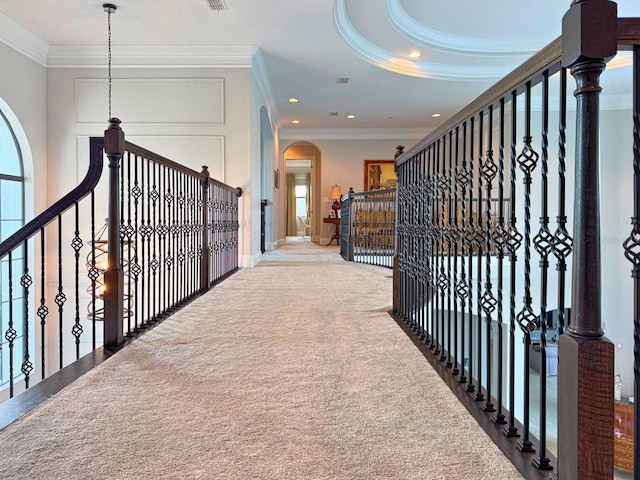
(379, 174)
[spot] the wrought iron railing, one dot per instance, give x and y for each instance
(466, 281)
(176, 232)
(368, 227)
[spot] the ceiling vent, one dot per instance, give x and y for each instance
(333, 114)
(217, 5)
(342, 80)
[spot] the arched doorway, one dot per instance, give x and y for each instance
(266, 183)
(301, 181)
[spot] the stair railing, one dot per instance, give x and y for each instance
(465, 281)
(176, 235)
(368, 227)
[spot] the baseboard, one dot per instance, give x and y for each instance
(250, 261)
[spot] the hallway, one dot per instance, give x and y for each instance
(290, 370)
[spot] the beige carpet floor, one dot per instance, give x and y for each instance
(290, 370)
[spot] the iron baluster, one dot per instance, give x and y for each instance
(43, 310)
(499, 241)
(527, 162)
(562, 243)
(136, 269)
(440, 278)
(25, 282)
(127, 233)
(636, 320)
(164, 236)
(479, 241)
(154, 195)
(423, 213)
(76, 244)
(543, 243)
(449, 237)
(166, 257)
(10, 334)
(513, 240)
(470, 237)
(444, 219)
(433, 237)
(489, 171)
(181, 238)
(455, 371)
(60, 298)
(462, 288)
(192, 266)
(144, 235)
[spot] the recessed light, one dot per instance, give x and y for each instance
(414, 54)
(435, 115)
(295, 122)
(293, 100)
(351, 116)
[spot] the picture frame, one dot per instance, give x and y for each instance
(379, 174)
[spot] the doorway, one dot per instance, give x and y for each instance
(298, 194)
(302, 159)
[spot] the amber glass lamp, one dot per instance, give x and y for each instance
(335, 195)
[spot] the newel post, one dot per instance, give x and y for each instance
(114, 277)
(396, 263)
(204, 260)
(351, 221)
(585, 375)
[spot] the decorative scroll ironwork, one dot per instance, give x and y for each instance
(160, 241)
(458, 233)
(370, 227)
(527, 161)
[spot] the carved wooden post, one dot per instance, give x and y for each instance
(204, 261)
(113, 277)
(585, 375)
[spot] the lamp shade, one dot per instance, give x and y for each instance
(335, 193)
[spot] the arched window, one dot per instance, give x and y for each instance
(11, 181)
(11, 219)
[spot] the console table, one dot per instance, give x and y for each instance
(336, 235)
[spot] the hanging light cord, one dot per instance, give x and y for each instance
(109, 8)
(109, 26)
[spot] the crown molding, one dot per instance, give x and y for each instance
(22, 40)
(352, 133)
(166, 56)
(375, 55)
(415, 31)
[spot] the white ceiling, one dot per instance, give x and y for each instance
(307, 44)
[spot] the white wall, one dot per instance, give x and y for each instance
(617, 209)
(23, 88)
(215, 132)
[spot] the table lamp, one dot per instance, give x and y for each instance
(335, 195)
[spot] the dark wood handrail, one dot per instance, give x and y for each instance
(89, 182)
(548, 57)
(628, 32)
(385, 191)
(83, 189)
(531, 69)
(154, 157)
